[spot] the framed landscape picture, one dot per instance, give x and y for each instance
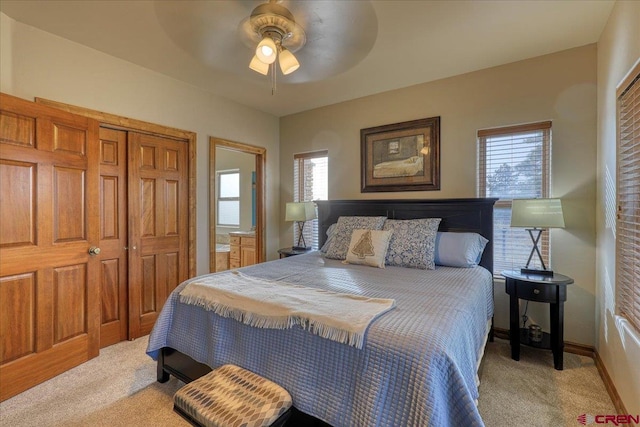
(401, 157)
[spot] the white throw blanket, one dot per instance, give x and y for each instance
(279, 305)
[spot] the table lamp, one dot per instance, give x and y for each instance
(536, 215)
(300, 212)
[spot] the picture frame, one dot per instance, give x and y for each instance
(401, 157)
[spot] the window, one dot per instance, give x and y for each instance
(229, 198)
(514, 163)
(628, 193)
(310, 182)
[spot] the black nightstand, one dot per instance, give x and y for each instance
(286, 252)
(534, 287)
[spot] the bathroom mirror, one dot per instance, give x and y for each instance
(236, 204)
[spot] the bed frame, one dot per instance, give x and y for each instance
(470, 215)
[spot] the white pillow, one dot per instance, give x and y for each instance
(344, 228)
(368, 247)
(459, 249)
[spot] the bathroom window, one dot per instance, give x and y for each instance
(229, 198)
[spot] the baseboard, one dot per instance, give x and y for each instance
(608, 384)
(501, 333)
(580, 349)
(587, 351)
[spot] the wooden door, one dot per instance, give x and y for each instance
(158, 225)
(113, 236)
(49, 287)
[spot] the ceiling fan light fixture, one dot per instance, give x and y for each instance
(259, 66)
(266, 50)
(273, 30)
(288, 62)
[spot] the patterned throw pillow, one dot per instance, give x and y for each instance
(344, 229)
(413, 242)
(368, 247)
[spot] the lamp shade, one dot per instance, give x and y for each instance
(300, 211)
(288, 62)
(537, 213)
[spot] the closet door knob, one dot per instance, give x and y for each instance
(94, 250)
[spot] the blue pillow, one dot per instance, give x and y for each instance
(459, 249)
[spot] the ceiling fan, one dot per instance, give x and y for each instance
(316, 39)
(274, 30)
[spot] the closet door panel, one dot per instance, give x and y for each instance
(68, 204)
(70, 308)
(48, 280)
(113, 236)
(18, 193)
(18, 323)
(158, 225)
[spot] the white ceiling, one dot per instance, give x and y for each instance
(416, 41)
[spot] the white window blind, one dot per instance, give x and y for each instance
(229, 198)
(310, 182)
(514, 163)
(628, 191)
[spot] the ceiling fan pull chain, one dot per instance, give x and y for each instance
(273, 77)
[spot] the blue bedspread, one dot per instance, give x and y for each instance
(418, 365)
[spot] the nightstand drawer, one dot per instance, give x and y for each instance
(537, 292)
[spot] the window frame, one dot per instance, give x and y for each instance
(299, 160)
(627, 231)
(219, 198)
(506, 203)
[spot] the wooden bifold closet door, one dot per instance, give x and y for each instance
(143, 229)
(113, 237)
(93, 237)
(49, 310)
(158, 226)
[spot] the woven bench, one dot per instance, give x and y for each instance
(231, 396)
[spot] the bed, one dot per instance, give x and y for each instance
(419, 362)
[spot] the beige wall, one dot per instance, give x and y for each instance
(560, 87)
(36, 63)
(616, 341)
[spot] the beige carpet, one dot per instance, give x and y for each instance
(530, 392)
(118, 388)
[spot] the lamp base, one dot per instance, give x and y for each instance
(300, 248)
(536, 271)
